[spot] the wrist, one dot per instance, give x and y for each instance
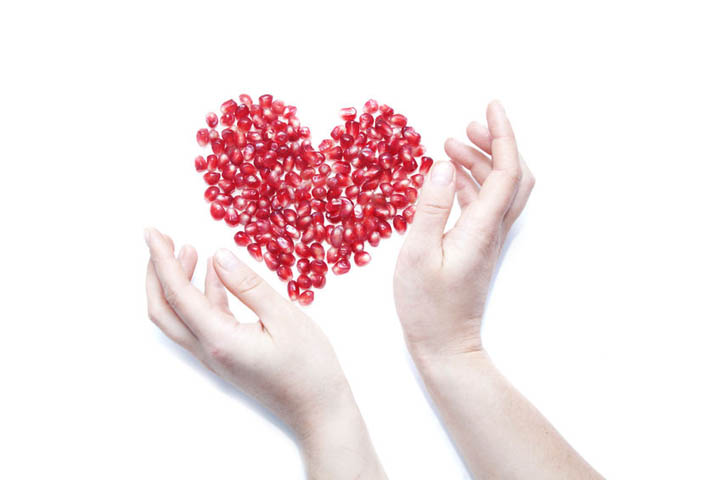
(450, 365)
(446, 346)
(338, 446)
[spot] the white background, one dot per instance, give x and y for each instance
(604, 312)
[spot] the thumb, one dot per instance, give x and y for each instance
(434, 204)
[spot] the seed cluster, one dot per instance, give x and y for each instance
(304, 207)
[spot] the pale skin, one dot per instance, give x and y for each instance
(283, 359)
(441, 284)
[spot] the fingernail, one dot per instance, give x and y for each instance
(226, 259)
(147, 236)
(182, 251)
(442, 173)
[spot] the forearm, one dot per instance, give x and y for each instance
(498, 432)
(338, 446)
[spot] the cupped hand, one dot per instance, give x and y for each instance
(442, 278)
(282, 359)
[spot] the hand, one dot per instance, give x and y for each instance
(283, 360)
(442, 279)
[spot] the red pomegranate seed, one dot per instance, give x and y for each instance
(362, 259)
(211, 119)
(246, 99)
(303, 281)
(200, 163)
(319, 267)
(211, 193)
(203, 137)
(400, 224)
(271, 261)
(425, 165)
(284, 273)
(242, 239)
(293, 290)
(217, 211)
(303, 265)
(348, 113)
(398, 120)
(318, 280)
(232, 217)
(228, 106)
(341, 267)
(255, 251)
(306, 298)
(371, 106)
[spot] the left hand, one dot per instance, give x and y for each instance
(283, 360)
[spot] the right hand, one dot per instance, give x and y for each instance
(442, 279)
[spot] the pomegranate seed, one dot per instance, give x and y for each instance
(228, 106)
(319, 267)
(200, 163)
(371, 106)
(242, 239)
(211, 193)
(425, 165)
(284, 273)
(348, 113)
(271, 261)
(293, 290)
(255, 251)
(400, 224)
(306, 298)
(203, 137)
(318, 280)
(303, 281)
(341, 267)
(362, 259)
(217, 211)
(211, 119)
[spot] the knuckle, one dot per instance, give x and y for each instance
(248, 283)
(219, 353)
(530, 180)
(512, 175)
(153, 312)
(433, 209)
(173, 298)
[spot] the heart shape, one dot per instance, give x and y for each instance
(294, 200)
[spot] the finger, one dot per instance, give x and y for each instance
(480, 136)
(163, 316)
(433, 208)
(245, 284)
(188, 260)
(466, 188)
(501, 185)
(524, 190)
(471, 158)
(214, 289)
(190, 305)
